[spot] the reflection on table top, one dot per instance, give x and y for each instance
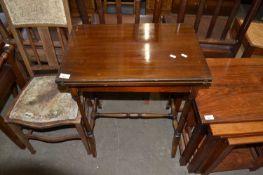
(148, 54)
(236, 94)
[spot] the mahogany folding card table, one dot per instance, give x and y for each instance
(134, 58)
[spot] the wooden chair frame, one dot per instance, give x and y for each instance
(81, 124)
(8, 52)
(137, 6)
(220, 47)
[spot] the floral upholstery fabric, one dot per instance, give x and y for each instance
(41, 101)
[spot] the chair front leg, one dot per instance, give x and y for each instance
(17, 129)
(11, 134)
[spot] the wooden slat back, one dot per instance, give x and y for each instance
(230, 19)
(212, 21)
(199, 14)
(119, 14)
(48, 46)
(101, 10)
(41, 45)
(3, 32)
(137, 10)
(214, 18)
(216, 28)
(118, 11)
(157, 11)
(248, 19)
(182, 9)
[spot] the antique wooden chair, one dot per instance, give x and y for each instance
(120, 18)
(214, 31)
(253, 40)
(41, 106)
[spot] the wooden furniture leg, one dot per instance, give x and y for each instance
(258, 158)
(249, 50)
(197, 136)
(203, 153)
(11, 134)
(181, 123)
(221, 151)
(23, 138)
(83, 138)
(75, 94)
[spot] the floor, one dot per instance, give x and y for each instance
(130, 147)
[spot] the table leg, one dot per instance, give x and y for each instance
(221, 151)
(202, 154)
(91, 139)
(178, 130)
(197, 135)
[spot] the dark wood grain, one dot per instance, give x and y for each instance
(134, 55)
(236, 94)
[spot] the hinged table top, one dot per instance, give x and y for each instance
(134, 55)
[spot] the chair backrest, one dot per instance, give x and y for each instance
(102, 9)
(40, 29)
(214, 31)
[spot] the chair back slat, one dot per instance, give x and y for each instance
(181, 13)
(3, 31)
(230, 19)
(199, 14)
(30, 37)
(118, 11)
(120, 17)
(61, 38)
(48, 46)
(137, 10)
(100, 11)
(157, 11)
(38, 33)
(214, 31)
(214, 18)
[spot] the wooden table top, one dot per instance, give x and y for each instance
(134, 55)
(236, 94)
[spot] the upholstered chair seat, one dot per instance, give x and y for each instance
(41, 102)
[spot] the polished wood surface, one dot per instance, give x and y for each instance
(237, 129)
(234, 103)
(134, 55)
(236, 93)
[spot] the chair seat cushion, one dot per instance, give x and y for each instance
(41, 102)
